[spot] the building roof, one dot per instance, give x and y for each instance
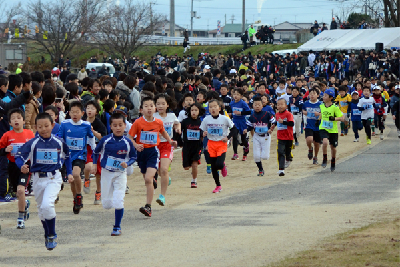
(166, 23)
(231, 28)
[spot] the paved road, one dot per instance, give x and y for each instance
(224, 232)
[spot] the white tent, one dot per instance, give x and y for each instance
(353, 39)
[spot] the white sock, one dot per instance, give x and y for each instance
(194, 180)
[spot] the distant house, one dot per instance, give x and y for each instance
(286, 31)
(159, 28)
(229, 30)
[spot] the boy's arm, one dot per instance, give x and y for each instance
(60, 132)
(91, 140)
(23, 154)
(96, 151)
(132, 154)
(67, 162)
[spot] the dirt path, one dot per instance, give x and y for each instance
(237, 227)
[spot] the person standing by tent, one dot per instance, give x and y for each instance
(252, 33)
(244, 38)
(314, 28)
(333, 24)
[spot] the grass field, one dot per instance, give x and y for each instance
(374, 245)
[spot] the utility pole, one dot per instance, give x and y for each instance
(151, 19)
(225, 19)
(191, 19)
(243, 16)
(172, 19)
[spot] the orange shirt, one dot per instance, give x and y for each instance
(16, 140)
(146, 132)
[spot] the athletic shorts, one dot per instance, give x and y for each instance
(217, 148)
(89, 154)
(346, 117)
(314, 134)
(80, 163)
(332, 137)
(148, 158)
(190, 154)
(16, 177)
(240, 125)
(166, 150)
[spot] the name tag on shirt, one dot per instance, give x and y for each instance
(75, 143)
(114, 164)
(294, 108)
(215, 131)
(343, 103)
(15, 146)
(261, 129)
(311, 115)
(149, 138)
(281, 126)
(367, 106)
(46, 156)
(237, 109)
(327, 124)
(168, 129)
(356, 112)
(193, 134)
(378, 105)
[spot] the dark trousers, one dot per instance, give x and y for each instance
(367, 126)
(284, 152)
(379, 122)
(216, 165)
(3, 176)
(235, 142)
(357, 126)
(244, 45)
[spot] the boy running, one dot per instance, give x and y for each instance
(366, 105)
(379, 110)
(355, 113)
(344, 100)
(295, 107)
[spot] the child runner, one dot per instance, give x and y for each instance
(355, 113)
(311, 109)
(239, 111)
(366, 105)
(216, 128)
(285, 123)
(165, 104)
(116, 153)
(263, 123)
(379, 110)
(295, 107)
(46, 153)
(328, 130)
(146, 131)
(77, 134)
(192, 140)
(344, 100)
(99, 131)
(10, 142)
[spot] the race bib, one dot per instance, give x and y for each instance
(215, 131)
(149, 138)
(327, 124)
(75, 143)
(261, 129)
(193, 134)
(356, 112)
(46, 156)
(294, 108)
(114, 164)
(378, 105)
(311, 115)
(343, 103)
(281, 126)
(367, 106)
(168, 129)
(237, 109)
(15, 146)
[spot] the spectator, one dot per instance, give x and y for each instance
(19, 68)
(244, 38)
(333, 24)
(82, 74)
(32, 108)
(93, 90)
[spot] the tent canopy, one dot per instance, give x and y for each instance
(353, 39)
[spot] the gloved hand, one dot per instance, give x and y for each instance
(331, 118)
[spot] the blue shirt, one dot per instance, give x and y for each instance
(297, 106)
(269, 109)
(311, 119)
(77, 136)
(239, 106)
(45, 154)
(354, 111)
(261, 122)
(113, 150)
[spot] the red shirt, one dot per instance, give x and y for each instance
(16, 140)
(146, 132)
(285, 132)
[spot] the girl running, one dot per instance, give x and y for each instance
(165, 104)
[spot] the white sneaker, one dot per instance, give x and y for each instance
(20, 224)
(287, 163)
(356, 140)
(127, 190)
(381, 136)
(281, 173)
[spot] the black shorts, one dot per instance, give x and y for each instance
(332, 137)
(314, 134)
(16, 177)
(190, 154)
(80, 163)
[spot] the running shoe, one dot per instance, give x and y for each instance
(86, 187)
(97, 198)
(373, 133)
(51, 242)
(146, 210)
(127, 189)
(355, 140)
(381, 136)
(332, 168)
(310, 155)
(296, 144)
(315, 161)
(287, 163)
(235, 157)
(6, 198)
(368, 141)
(155, 183)
(208, 168)
(217, 189)
(77, 204)
(324, 164)
(169, 181)
(57, 199)
(244, 158)
(20, 223)
(116, 231)
(342, 134)
(281, 173)
(260, 173)
(193, 185)
(246, 149)
(92, 175)
(224, 171)
(26, 216)
(161, 200)
(345, 133)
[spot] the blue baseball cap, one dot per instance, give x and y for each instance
(121, 109)
(330, 92)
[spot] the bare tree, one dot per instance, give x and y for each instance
(6, 15)
(127, 27)
(63, 24)
(392, 13)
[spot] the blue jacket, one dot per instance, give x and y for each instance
(354, 111)
(216, 84)
(45, 154)
(113, 150)
(261, 122)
